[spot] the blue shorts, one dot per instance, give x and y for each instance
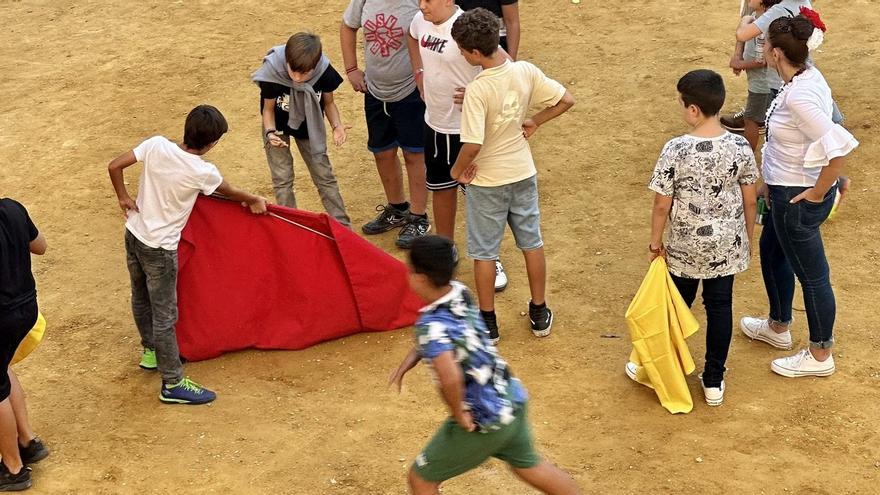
(395, 124)
(490, 208)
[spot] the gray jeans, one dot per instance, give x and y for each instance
(281, 166)
(154, 303)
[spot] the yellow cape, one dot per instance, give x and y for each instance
(659, 322)
(31, 340)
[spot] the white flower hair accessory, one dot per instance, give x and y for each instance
(816, 39)
(819, 28)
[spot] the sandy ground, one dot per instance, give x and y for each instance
(84, 81)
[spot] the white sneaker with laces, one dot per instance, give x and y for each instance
(802, 364)
(631, 369)
(500, 277)
(759, 329)
(714, 395)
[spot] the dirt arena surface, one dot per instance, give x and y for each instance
(84, 81)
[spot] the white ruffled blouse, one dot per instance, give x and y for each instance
(802, 137)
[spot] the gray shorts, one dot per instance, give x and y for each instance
(490, 208)
(756, 106)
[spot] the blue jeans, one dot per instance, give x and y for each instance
(790, 245)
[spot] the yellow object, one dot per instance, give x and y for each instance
(31, 340)
(659, 322)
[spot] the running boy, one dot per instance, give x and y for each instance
(395, 112)
(496, 161)
(173, 177)
(296, 89)
(487, 404)
(705, 186)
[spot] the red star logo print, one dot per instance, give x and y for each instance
(383, 34)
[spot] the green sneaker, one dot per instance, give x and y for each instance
(148, 359)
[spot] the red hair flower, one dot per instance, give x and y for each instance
(814, 18)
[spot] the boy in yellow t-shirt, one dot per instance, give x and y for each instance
(496, 161)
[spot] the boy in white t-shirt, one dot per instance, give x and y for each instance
(173, 177)
(496, 160)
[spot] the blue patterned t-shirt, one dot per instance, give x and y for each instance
(453, 323)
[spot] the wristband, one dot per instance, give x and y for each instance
(351, 69)
(656, 251)
(270, 131)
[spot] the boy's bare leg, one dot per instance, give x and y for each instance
(536, 268)
(19, 409)
(388, 166)
(445, 204)
(548, 479)
(418, 486)
(752, 133)
(9, 437)
(415, 174)
(484, 278)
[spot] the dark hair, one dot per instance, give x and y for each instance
(434, 257)
(204, 125)
(302, 52)
(477, 29)
(703, 88)
(769, 3)
(790, 34)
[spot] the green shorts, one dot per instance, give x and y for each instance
(454, 451)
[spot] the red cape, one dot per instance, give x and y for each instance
(248, 281)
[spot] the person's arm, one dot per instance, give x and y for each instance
(348, 43)
(38, 245)
(256, 203)
(829, 175)
(750, 208)
(115, 169)
(747, 29)
(746, 64)
(269, 124)
(660, 212)
(510, 14)
(340, 131)
(531, 125)
(465, 169)
(409, 362)
(452, 388)
(415, 59)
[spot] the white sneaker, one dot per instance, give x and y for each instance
(802, 364)
(631, 369)
(714, 395)
(759, 329)
(500, 277)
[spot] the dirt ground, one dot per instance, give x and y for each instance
(84, 81)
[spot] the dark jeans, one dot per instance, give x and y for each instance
(154, 303)
(718, 301)
(791, 244)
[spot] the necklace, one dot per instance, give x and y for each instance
(778, 101)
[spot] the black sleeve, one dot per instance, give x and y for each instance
(31, 228)
(329, 80)
(270, 91)
(508, 2)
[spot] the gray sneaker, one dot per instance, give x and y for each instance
(388, 218)
(415, 228)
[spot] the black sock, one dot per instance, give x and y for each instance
(423, 215)
(488, 315)
(537, 306)
(400, 206)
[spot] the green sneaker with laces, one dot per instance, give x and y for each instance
(186, 391)
(148, 359)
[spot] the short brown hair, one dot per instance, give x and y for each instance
(303, 51)
(477, 29)
(204, 125)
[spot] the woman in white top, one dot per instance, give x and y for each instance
(802, 160)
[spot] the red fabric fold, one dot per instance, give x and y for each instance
(248, 281)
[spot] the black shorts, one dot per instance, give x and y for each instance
(395, 124)
(441, 150)
(14, 325)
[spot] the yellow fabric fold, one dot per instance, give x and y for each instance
(659, 322)
(31, 340)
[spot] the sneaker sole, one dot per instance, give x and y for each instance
(546, 331)
(761, 338)
(798, 374)
(382, 231)
(715, 402)
(168, 400)
(154, 368)
(39, 457)
(17, 487)
(629, 373)
(500, 288)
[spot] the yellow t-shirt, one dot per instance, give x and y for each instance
(495, 106)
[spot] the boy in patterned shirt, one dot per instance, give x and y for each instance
(486, 403)
(705, 185)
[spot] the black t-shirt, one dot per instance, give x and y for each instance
(493, 6)
(329, 81)
(17, 286)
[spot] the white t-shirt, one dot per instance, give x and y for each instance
(494, 109)
(801, 136)
(169, 185)
(445, 70)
